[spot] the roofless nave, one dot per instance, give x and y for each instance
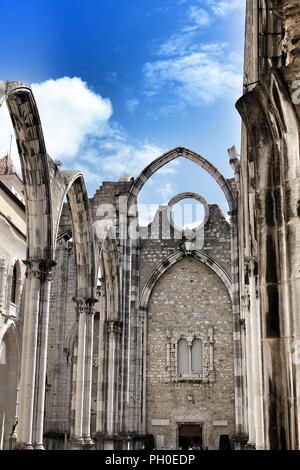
(186, 335)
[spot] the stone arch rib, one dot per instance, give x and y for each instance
(170, 261)
(35, 169)
(82, 232)
(271, 120)
(190, 155)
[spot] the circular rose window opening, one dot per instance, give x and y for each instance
(188, 213)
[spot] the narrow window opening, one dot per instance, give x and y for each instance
(183, 357)
(196, 356)
(14, 285)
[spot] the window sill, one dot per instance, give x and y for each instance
(194, 379)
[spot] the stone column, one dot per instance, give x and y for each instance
(248, 312)
(258, 377)
(40, 382)
(2, 285)
(237, 351)
(76, 440)
(141, 357)
(32, 350)
(88, 372)
(113, 331)
(101, 364)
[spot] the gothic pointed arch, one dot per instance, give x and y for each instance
(35, 169)
(170, 261)
(273, 169)
(82, 232)
(130, 259)
(190, 155)
(46, 188)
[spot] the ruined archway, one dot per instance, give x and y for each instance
(46, 188)
(273, 128)
(172, 155)
(130, 256)
(174, 258)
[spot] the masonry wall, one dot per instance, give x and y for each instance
(157, 244)
(189, 298)
(269, 224)
(61, 344)
(12, 250)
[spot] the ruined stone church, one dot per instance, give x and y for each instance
(120, 336)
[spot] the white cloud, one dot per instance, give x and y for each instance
(111, 77)
(6, 131)
(147, 213)
(132, 104)
(195, 78)
(224, 7)
(170, 168)
(177, 44)
(115, 154)
(198, 18)
(90, 177)
(123, 157)
(191, 72)
(70, 114)
(166, 190)
(79, 132)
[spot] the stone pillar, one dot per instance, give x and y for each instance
(76, 441)
(88, 374)
(101, 365)
(34, 349)
(2, 285)
(237, 350)
(258, 375)
(83, 387)
(40, 386)
(250, 360)
(113, 331)
(140, 369)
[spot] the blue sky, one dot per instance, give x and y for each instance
(118, 82)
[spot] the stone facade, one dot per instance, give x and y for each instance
(189, 299)
(12, 276)
(269, 226)
(143, 260)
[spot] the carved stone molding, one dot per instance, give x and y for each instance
(207, 339)
(39, 268)
(6, 87)
(114, 326)
(86, 306)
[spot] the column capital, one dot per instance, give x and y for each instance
(40, 268)
(233, 213)
(86, 306)
(114, 326)
(143, 313)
